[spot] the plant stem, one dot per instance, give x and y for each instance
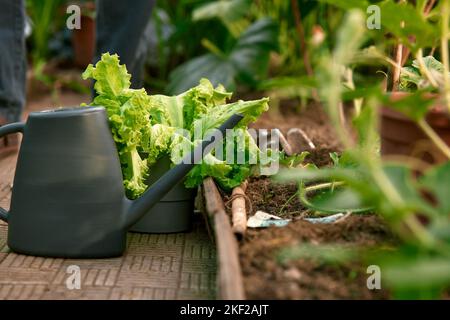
(301, 36)
(428, 6)
(417, 228)
(323, 186)
(397, 67)
(444, 50)
(442, 146)
(206, 43)
(287, 202)
(357, 103)
(393, 63)
(398, 60)
(424, 70)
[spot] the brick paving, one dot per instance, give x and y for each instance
(155, 266)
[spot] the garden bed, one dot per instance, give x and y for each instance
(263, 275)
(266, 278)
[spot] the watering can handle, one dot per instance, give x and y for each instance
(5, 130)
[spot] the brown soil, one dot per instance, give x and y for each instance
(274, 198)
(264, 276)
(312, 120)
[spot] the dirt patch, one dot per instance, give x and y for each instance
(266, 278)
(274, 198)
(312, 120)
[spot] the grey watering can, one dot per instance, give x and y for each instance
(68, 198)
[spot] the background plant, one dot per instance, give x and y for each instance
(45, 21)
(411, 196)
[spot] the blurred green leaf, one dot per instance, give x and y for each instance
(430, 63)
(415, 276)
(247, 61)
(314, 174)
(367, 128)
(414, 105)
(437, 182)
(288, 82)
(322, 253)
(341, 199)
(215, 68)
(230, 12)
(348, 4)
(335, 158)
(45, 23)
(403, 20)
(362, 92)
(349, 37)
(294, 160)
(409, 79)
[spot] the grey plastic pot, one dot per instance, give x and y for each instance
(173, 213)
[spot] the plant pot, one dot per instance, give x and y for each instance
(401, 136)
(174, 212)
(83, 42)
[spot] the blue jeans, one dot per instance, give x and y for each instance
(12, 59)
(120, 26)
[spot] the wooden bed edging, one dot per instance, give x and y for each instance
(229, 277)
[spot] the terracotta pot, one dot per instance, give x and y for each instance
(83, 41)
(401, 136)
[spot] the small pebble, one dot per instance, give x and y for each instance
(293, 274)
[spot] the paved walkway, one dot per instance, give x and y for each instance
(165, 266)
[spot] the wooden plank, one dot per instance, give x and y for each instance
(239, 210)
(230, 280)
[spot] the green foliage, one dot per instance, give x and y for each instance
(332, 254)
(128, 117)
(412, 77)
(218, 40)
(294, 160)
(401, 18)
(230, 12)
(145, 128)
(414, 105)
(415, 205)
(246, 59)
(42, 14)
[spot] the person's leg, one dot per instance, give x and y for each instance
(120, 26)
(12, 65)
(12, 59)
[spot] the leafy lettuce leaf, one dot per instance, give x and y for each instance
(129, 119)
(146, 127)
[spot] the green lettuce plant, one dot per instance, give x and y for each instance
(147, 127)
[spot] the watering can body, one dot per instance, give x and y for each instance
(68, 198)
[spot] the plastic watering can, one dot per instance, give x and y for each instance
(68, 198)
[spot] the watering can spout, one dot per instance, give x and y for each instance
(136, 209)
(3, 215)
